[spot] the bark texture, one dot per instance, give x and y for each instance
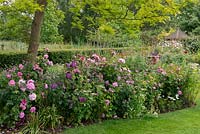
(35, 32)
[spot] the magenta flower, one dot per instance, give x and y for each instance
(32, 96)
(21, 115)
(115, 84)
(73, 64)
(24, 102)
(96, 57)
(11, 83)
(68, 75)
(130, 82)
(46, 56)
(50, 63)
(30, 86)
(19, 74)
(120, 60)
(21, 66)
(33, 109)
(82, 99)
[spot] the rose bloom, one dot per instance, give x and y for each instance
(21, 115)
(30, 86)
(180, 92)
(11, 83)
(121, 60)
(8, 76)
(115, 84)
(46, 86)
(46, 56)
(107, 102)
(23, 107)
(21, 66)
(32, 96)
(30, 81)
(32, 109)
(19, 74)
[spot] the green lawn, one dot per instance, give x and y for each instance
(185, 121)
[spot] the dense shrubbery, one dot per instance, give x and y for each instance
(91, 88)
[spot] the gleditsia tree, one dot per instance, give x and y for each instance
(89, 15)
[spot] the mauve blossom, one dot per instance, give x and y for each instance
(46, 49)
(32, 96)
(21, 115)
(50, 63)
(11, 83)
(111, 90)
(46, 86)
(180, 92)
(46, 56)
(82, 99)
(8, 76)
(30, 86)
(33, 109)
(19, 74)
(107, 83)
(68, 65)
(54, 86)
(130, 82)
(68, 75)
(76, 71)
(115, 84)
(162, 71)
(21, 66)
(107, 102)
(96, 57)
(120, 60)
(118, 78)
(73, 64)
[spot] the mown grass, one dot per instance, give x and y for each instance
(185, 121)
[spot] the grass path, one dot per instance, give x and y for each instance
(185, 121)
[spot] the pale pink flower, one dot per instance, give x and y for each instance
(46, 56)
(120, 60)
(32, 109)
(50, 63)
(115, 84)
(180, 92)
(21, 66)
(21, 115)
(8, 76)
(22, 84)
(46, 86)
(30, 86)
(107, 102)
(23, 107)
(11, 83)
(32, 96)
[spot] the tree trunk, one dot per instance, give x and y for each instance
(35, 32)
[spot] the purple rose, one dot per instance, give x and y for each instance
(82, 99)
(54, 86)
(73, 64)
(68, 75)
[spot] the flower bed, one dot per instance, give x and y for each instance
(91, 89)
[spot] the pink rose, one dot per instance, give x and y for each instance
(23, 107)
(107, 102)
(180, 92)
(121, 60)
(32, 96)
(30, 81)
(32, 109)
(21, 66)
(19, 74)
(30, 86)
(21, 115)
(46, 86)
(115, 84)
(11, 83)
(46, 56)
(8, 76)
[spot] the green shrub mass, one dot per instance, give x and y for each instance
(92, 88)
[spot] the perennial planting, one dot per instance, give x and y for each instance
(90, 89)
